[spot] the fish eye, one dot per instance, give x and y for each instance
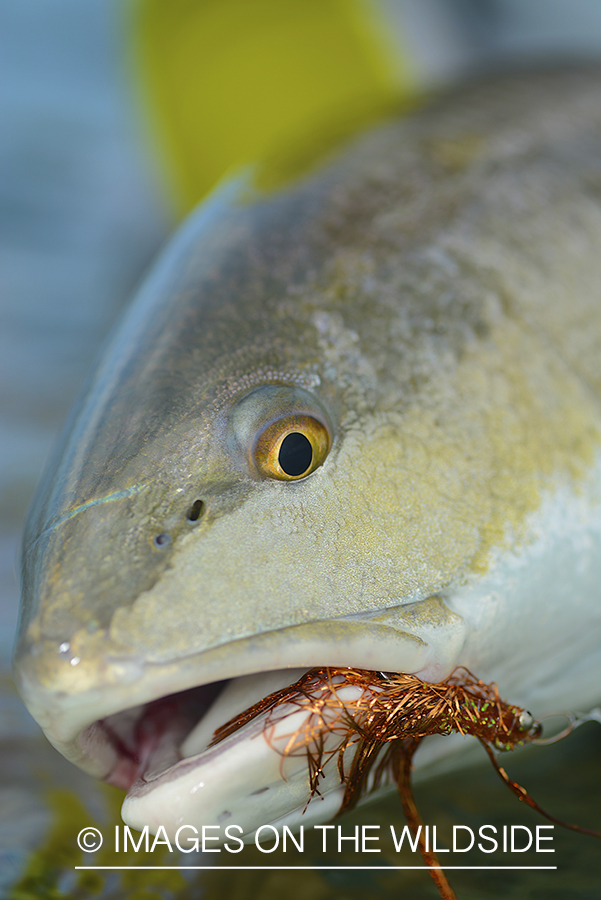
(291, 447)
(279, 431)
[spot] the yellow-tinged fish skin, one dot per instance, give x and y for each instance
(435, 291)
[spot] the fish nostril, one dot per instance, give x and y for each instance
(196, 511)
(161, 540)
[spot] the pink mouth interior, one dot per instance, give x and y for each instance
(148, 737)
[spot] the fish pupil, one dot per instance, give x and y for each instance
(296, 454)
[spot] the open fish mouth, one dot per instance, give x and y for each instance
(163, 752)
(158, 750)
(173, 776)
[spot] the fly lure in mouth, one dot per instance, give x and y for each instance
(372, 723)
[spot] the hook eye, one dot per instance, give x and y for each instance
(572, 723)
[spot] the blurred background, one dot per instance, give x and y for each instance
(117, 117)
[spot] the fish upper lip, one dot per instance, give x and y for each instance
(73, 702)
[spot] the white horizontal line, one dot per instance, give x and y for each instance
(318, 868)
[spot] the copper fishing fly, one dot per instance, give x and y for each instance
(385, 717)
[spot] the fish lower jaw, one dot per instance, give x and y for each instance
(246, 781)
(251, 778)
(239, 781)
(173, 776)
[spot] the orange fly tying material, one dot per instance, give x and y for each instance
(379, 719)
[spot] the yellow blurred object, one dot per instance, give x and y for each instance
(272, 82)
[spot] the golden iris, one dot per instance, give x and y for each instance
(291, 447)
